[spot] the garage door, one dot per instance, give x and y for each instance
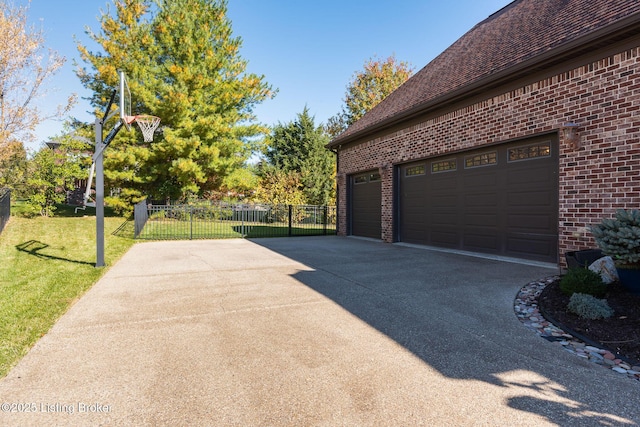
(501, 200)
(366, 205)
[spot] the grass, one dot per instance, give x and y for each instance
(175, 229)
(46, 264)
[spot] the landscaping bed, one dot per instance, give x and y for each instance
(620, 333)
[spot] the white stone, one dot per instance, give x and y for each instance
(619, 370)
(606, 268)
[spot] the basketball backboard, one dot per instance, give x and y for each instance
(148, 124)
(125, 101)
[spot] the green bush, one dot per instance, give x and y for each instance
(24, 209)
(589, 307)
(158, 215)
(619, 237)
(583, 281)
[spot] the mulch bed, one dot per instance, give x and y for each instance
(619, 334)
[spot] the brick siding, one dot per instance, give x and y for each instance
(603, 97)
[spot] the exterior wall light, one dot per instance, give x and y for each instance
(570, 135)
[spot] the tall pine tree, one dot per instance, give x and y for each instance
(183, 65)
(299, 147)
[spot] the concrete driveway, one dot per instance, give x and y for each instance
(325, 331)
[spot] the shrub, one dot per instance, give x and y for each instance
(589, 307)
(619, 237)
(158, 215)
(583, 281)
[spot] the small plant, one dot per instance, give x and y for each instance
(583, 281)
(619, 238)
(158, 215)
(589, 307)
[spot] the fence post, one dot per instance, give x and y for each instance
(5, 207)
(190, 222)
(242, 219)
(290, 219)
(325, 220)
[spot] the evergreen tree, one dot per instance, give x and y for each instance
(183, 65)
(299, 147)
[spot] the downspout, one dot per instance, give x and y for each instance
(336, 151)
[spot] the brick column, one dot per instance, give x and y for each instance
(386, 173)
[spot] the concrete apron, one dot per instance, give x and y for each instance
(306, 331)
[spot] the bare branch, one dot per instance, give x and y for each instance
(25, 66)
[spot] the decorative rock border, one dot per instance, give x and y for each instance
(526, 309)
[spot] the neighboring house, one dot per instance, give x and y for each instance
(513, 141)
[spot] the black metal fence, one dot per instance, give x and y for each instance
(218, 221)
(5, 207)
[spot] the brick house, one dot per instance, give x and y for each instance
(512, 141)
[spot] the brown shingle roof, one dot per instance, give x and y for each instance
(519, 36)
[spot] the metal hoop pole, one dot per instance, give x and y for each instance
(98, 158)
(99, 195)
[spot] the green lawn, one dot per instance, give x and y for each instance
(45, 265)
(176, 229)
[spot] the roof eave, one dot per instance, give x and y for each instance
(552, 57)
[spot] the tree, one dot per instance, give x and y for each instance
(13, 167)
(335, 125)
(52, 172)
(23, 73)
(184, 66)
(299, 146)
(367, 88)
(279, 187)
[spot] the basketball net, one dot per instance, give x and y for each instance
(147, 124)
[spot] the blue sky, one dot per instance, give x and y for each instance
(308, 50)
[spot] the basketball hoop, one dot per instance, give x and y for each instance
(147, 124)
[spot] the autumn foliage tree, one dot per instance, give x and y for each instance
(13, 167)
(279, 187)
(183, 65)
(367, 88)
(25, 66)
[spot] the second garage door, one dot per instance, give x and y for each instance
(366, 205)
(501, 200)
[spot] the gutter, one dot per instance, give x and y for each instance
(572, 49)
